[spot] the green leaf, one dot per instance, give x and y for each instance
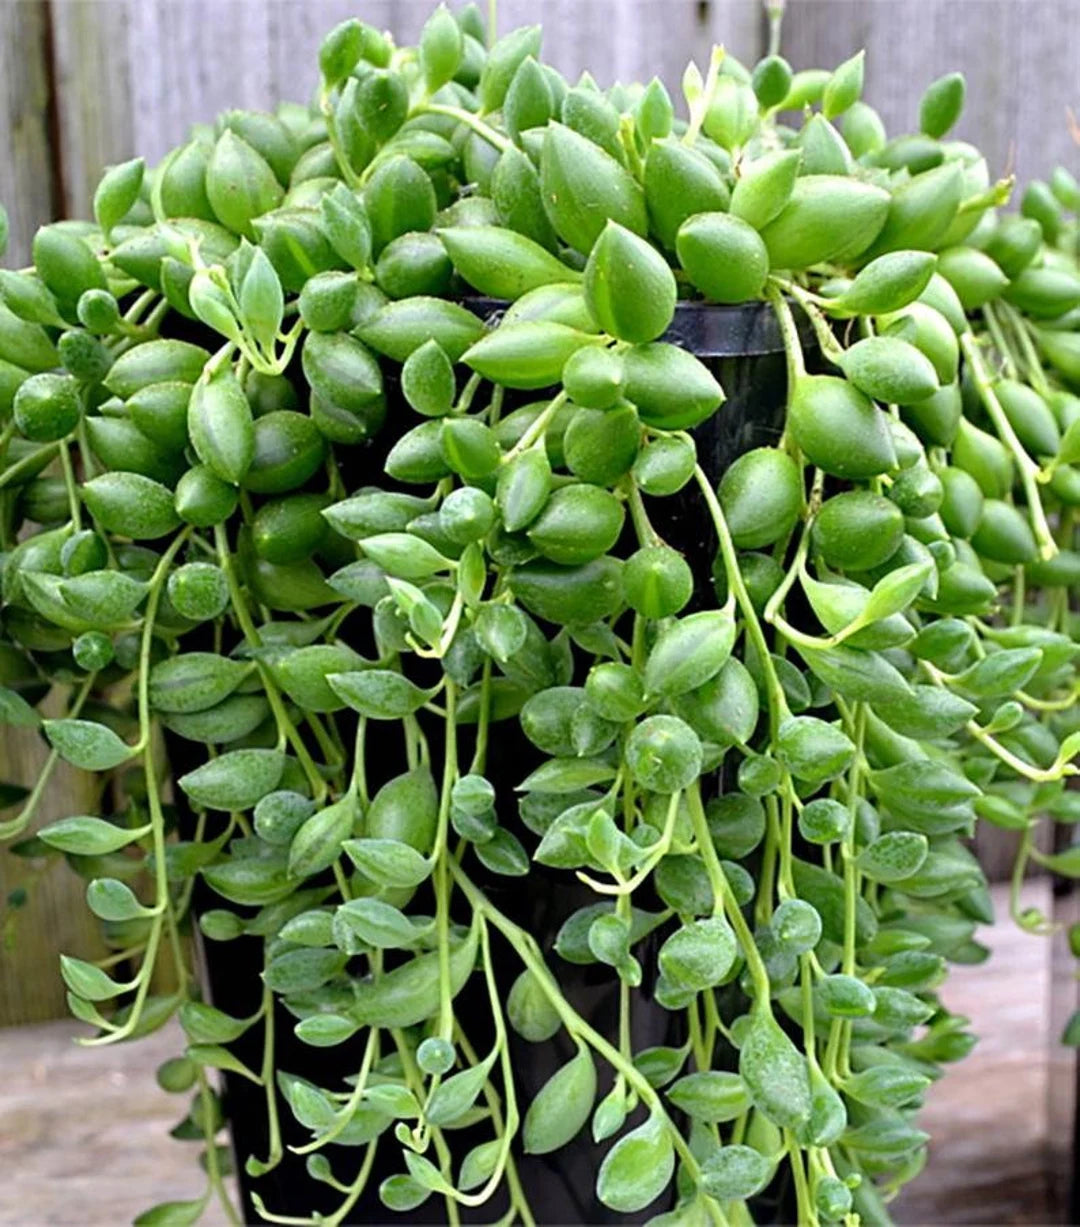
(216, 1057)
(302, 672)
(895, 591)
(527, 354)
(409, 994)
(303, 970)
(893, 856)
(206, 1024)
(111, 899)
(103, 599)
(251, 880)
(583, 187)
(15, 710)
(117, 192)
(427, 380)
(221, 425)
(262, 301)
(638, 1168)
(503, 853)
(317, 844)
(404, 555)
(456, 1095)
(530, 1011)
(402, 1193)
(1001, 673)
(864, 676)
(502, 62)
(775, 1073)
(479, 1164)
(377, 923)
(710, 1096)
(394, 1099)
(700, 954)
(561, 1106)
(234, 781)
(172, 1214)
(629, 287)
(379, 694)
(86, 744)
(85, 836)
(689, 652)
(502, 263)
(733, 1173)
(661, 1063)
(924, 790)
(441, 43)
(194, 681)
(325, 1030)
(1066, 863)
(87, 981)
(425, 1173)
(927, 713)
(131, 505)
(565, 775)
(388, 862)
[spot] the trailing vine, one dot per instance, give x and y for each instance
(357, 592)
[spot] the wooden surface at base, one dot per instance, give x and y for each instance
(84, 1132)
(989, 1154)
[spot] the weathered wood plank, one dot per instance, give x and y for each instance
(85, 1130)
(177, 62)
(26, 177)
(54, 918)
(1019, 58)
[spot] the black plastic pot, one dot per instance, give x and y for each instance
(742, 347)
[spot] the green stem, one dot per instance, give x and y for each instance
(493, 138)
(528, 951)
(441, 878)
(1029, 470)
(724, 901)
(778, 708)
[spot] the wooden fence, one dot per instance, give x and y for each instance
(84, 83)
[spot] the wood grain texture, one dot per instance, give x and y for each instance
(1019, 58)
(990, 1157)
(178, 62)
(54, 918)
(26, 177)
(84, 1138)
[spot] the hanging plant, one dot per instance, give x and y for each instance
(364, 597)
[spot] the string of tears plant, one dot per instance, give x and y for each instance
(337, 477)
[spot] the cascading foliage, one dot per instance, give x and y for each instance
(275, 486)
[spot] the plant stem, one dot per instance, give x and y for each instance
(1029, 470)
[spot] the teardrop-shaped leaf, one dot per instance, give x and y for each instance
(111, 899)
(689, 652)
(457, 1094)
(234, 781)
(87, 981)
(85, 836)
(317, 844)
(388, 862)
(775, 1073)
(379, 694)
(638, 1168)
(561, 1106)
(86, 744)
